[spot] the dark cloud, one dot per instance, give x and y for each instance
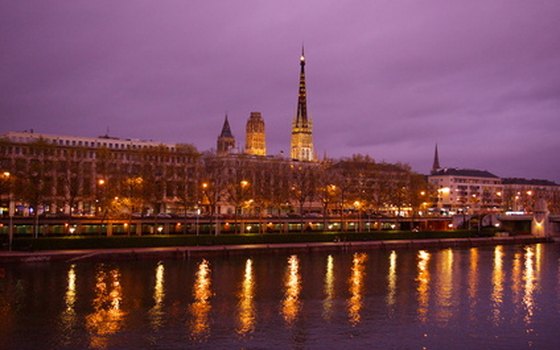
(385, 78)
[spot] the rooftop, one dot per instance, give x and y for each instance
(522, 181)
(463, 172)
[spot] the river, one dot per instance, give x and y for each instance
(502, 297)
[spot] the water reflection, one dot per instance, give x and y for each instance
(246, 296)
(445, 287)
(392, 279)
(292, 288)
(497, 285)
(356, 287)
(200, 308)
(156, 312)
(516, 280)
(68, 316)
(329, 289)
(423, 288)
(530, 285)
(107, 317)
(473, 282)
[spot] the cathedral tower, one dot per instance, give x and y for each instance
(226, 141)
(302, 137)
(255, 142)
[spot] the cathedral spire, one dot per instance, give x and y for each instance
(302, 138)
(435, 166)
(301, 116)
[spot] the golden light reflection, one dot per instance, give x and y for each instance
(445, 286)
(473, 280)
(423, 288)
(156, 312)
(530, 286)
(497, 285)
(516, 280)
(246, 301)
(200, 308)
(329, 289)
(292, 288)
(107, 317)
(356, 287)
(392, 279)
(68, 317)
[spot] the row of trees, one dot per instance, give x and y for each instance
(73, 180)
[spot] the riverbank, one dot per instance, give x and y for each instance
(185, 252)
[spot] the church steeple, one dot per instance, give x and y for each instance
(226, 141)
(302, 127)
(301, 116)
(435, 166)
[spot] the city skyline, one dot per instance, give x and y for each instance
(384, 79)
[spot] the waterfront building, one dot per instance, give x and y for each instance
(226, 141)
(302, 126)
(467, 190)
(56, 174)
(255, 142)
(472, 191)
(520, 195)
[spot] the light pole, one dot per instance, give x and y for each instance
(197, 220)
(11, 209)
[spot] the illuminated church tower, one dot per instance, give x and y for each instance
(302, 137)
(226, 141)
(255, 142)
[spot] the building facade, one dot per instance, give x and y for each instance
(68, 175)
(466, 190)
(520, 195)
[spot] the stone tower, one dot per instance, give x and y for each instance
(226, 141)
(255, 142)
(302, 127)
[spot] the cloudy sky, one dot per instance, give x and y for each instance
(387, 78)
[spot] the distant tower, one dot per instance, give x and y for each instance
(255, 142)
(302, 138)
(435, 166)
(226, 141)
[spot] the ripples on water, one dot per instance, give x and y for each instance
(488, 297)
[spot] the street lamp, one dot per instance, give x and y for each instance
(11, 209)
(358, 205)
(244, 184)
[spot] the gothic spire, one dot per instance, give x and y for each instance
(436, 166)
(226, 130)
(301, 116)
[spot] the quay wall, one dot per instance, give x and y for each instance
(186, 252)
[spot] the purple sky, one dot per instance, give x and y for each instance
(387, 78)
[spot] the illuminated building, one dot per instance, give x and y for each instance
(255, 142)
(302, 126)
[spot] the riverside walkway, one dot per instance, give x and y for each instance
(185, 252)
